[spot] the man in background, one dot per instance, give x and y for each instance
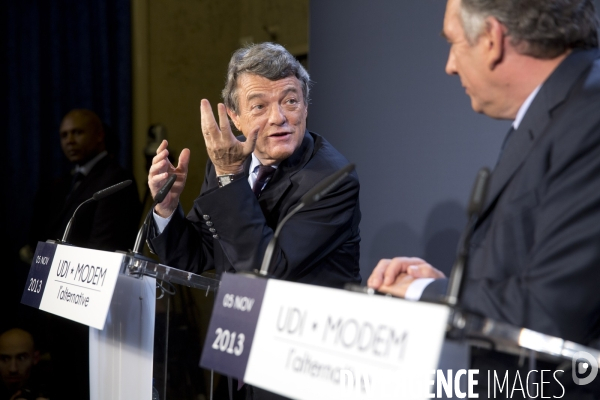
(18, 358)
(534, 254)
(109, 224)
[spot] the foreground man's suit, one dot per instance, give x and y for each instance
(535, 253)
(319, 245)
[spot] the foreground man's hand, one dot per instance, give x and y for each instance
(225, 151)
(159, 172)
(395, 276)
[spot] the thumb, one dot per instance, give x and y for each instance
(250, 142)
(184, 160)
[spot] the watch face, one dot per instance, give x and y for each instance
(225, 180)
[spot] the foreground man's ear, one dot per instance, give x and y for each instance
(494, 36)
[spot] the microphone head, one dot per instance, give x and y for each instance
(479, 192)
(99, 195)
(162, 193)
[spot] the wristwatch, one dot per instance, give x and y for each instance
(225, 180)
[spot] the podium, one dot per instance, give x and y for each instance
(115, 294)
(121, 355)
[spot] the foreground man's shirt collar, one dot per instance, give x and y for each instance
(524, 107)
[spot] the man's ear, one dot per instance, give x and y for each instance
(493, 38)
(234, 118)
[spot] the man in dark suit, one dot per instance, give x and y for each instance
(109, 224)
(252, 184)
(239, 206)
(535, 251)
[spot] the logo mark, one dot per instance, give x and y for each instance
(581, 368)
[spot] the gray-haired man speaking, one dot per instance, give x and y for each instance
(250, 185)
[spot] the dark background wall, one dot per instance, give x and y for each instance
(382, 98)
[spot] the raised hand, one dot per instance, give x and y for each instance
(159, 172)
(225, 151)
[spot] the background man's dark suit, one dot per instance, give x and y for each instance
(110, 224)
(319, 245)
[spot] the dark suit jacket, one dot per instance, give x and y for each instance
(109, 224)
(319, 245)
(535, 253)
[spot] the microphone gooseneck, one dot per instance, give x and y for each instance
(160, 196)
(99, 195)
(459, 269)
(312, 196)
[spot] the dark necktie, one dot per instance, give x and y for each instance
(264, 174)
(76, 180)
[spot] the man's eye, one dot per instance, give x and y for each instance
(257, 107)
(292, 101)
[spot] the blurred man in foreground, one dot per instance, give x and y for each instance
(535, 250)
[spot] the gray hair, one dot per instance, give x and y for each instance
(537, 28)
(269, 60)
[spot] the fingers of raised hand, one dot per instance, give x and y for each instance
(184, 161)
(159, 166)
(224, 124)
(207, 121)
(163, 145)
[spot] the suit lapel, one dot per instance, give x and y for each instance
(281, 180)
(554, 92)
(80, 194)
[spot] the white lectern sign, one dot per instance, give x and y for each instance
(72, 282)
(312, 342)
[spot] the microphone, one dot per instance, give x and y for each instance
(312, 196)
(476, 202)
(99, 195)
(160, 196)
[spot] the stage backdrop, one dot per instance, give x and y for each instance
(57, 55)
(381, 96)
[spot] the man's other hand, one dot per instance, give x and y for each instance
(395, 276)
(160, 170)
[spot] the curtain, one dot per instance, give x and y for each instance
(57, 55)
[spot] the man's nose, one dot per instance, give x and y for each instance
(12, 365)
(451, 64)
(276, 115)
(69, 137)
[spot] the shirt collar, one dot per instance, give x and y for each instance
(524, 107)
(87, 167)
(256, 162)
